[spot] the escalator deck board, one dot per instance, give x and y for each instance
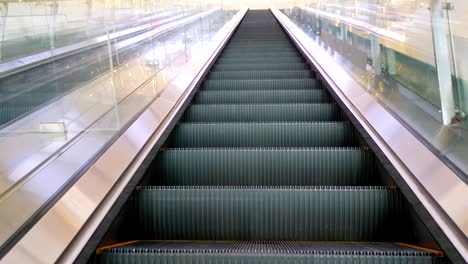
(265, 252)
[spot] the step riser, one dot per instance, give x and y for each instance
(259, 75)
(251, 97)
(260, 38)
(260, 48)
(250, 60)
(250, 47)
(261, 67)
(269, 214)
(262, 135)
(135, 258)
(265, 54)
(254, 36)
(241, 43)
(264, 167)
(262, 113)
(252, 85)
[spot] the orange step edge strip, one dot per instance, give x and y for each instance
(435, 251)
(99, 250)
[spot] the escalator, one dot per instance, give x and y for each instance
(263, 167)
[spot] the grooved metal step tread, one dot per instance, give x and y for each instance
(297, 134)
(251, 48)
(269, 213)
(245, 52)
(259, 60)
(260, 48)
(277, 84)
(262, 38)
(262, 113)
(254, 36)
(270, 247)
(266, 54)
(261, 67)
(283, 44)
(260, 32)
(261, 97)
(234, 42)
(264, 166)
(246, 75)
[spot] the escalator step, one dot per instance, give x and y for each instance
(266, 44)
(212, 135)
(264, 252)
(259, 75)
(260, 32)
(233, 85)
(255, 37)
(241, 43)
(260, 48)
(261, 97)
(261, 67)
(260, 60)
(315, 166)
(262, 113)
(267, 213)
(266, 54)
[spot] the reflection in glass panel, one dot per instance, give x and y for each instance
(456, 21)
(391, 34)
(74, 74)
(408, 55)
